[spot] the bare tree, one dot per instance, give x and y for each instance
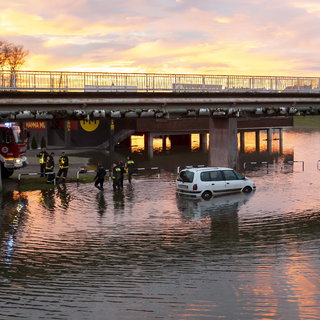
(12, 57)
(16, 57)
(4, 52)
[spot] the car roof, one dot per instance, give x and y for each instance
(206, 169)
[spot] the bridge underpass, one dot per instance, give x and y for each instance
(177, 129)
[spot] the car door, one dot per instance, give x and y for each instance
(233, 181)
(213, 180)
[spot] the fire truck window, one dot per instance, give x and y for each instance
(7, 137)
(16, 135)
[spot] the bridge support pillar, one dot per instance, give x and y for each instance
(242, 141)
(67, 134)
(280, 141)
(223, 149)
(203, 142)
(164, 143)
(148, 144)
(269, 140)
(257, 140)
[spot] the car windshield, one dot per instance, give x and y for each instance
(186, 176)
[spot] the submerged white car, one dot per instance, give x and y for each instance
(207, 182)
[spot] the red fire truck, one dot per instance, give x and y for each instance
(13, 147)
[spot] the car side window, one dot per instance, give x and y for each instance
(211, 176)
(230, 175)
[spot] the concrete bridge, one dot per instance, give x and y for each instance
(39, 95)
(223, 100)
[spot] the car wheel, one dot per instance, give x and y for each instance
(247, 189)
(207, 195)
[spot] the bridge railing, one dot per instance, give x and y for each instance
(150, 82)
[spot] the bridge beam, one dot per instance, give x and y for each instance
(223, 148)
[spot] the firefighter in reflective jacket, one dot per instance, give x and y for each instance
(49, 168)
(129, 168)
(63, 167)
(43, 156)
(117, 173)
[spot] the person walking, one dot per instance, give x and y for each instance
(63, 167)
(49, 168)
(43, 155)
(99, 178)
(130, 165)
(116, 176)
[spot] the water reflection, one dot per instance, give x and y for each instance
(101, 203)
(118, 200)
(47, 199)
(143, 253)
(222, 212)
(15, 207)
(64, 195)
(217, 206)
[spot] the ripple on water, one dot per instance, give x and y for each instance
(145, 253)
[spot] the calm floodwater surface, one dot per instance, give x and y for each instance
(75, 253)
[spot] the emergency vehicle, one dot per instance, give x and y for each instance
(13, 147)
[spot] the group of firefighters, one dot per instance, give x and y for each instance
(118, 172)
(119, 169)
(46, 161)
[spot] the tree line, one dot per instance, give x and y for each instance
(12, 56)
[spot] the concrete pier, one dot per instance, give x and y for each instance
(67, 134)
(223, 149)
(257, 140)
(203, 142)
(148, 144)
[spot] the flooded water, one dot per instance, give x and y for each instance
(144, 253)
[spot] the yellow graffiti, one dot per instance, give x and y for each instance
(89, 125)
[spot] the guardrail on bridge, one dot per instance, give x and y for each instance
(151, 82)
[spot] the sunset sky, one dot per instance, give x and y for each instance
(251, 37)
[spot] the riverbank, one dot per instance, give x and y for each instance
(307, 121)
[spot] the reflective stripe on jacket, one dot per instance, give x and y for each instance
(64, 162)
(43, 155)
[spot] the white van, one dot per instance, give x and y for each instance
(207, 182)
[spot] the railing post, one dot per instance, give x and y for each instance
(147, 86)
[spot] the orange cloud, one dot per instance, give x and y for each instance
(220, 37)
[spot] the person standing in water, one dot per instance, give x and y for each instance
(99, 178)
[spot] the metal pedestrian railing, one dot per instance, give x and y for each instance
(137, 170)
(151, 82)
(36, 174)
(255, 164)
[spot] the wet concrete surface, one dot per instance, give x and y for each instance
(78, 158)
